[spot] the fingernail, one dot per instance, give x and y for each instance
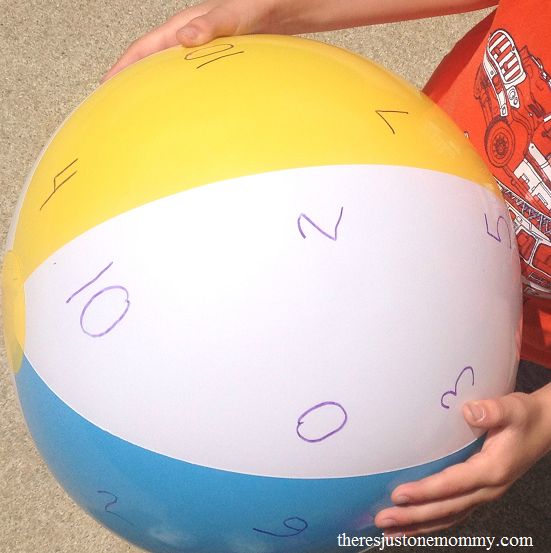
(477, 411)
(386, 523)
(189, 33)
(401, 500)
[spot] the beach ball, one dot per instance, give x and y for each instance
(247, 289)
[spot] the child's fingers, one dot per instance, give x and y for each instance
(428, 527)
(146, 45)
(195, 26)
(217, 22)
(400, 517)
(456, 480)
(158, 39)
(493, 413)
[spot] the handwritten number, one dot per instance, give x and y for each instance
(90, 282)
(121, 317)
(322, 405)
(224, 47)
(94, 297)
(380, 112)
(206, 51)
(454, 391)
(60, 179)
(497, 236)
(297, 527)
(330, 236)
(109, 504)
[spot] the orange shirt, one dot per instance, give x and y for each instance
(496, 85)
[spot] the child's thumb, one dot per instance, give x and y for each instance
(213, 24)
(489, 413)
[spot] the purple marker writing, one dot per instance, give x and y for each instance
(497, 236)
(330, 236)
(339, 414)
(118, 318)
(116, 322)
(453, 392)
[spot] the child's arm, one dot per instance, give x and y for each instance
(519, 433)
(213, 18)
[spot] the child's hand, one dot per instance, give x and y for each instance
(203, 22)
(519, 433)
(211, 19)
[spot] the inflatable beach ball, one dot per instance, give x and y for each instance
(248, 288)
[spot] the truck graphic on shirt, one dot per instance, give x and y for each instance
(514, 92)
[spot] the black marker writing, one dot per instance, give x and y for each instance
(297, 528)
(207, 51)
(380, 112)
(61, 178)
(109, 504)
